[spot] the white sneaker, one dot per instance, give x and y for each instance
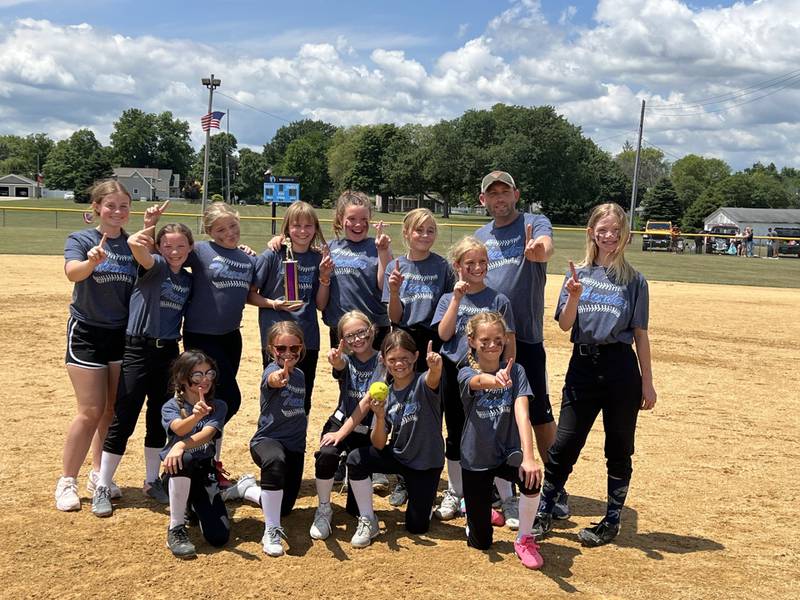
(321, 527)
(91, 485)
(449, 508)
(511, 512)
(271, 541)
(237, 490)
(380, 483)
(67, 494)
(366, 530)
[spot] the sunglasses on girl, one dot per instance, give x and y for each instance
(197, 376)
(293, 348)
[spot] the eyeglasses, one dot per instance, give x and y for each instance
(399, 361)
(197, 376)
(361, 334)
(294, 348)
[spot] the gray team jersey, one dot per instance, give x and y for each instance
(283, 417)
(102, 298)
(354, 381)
(158, 301)
(216, 419)
(269, 280)
(222, 278)
(510, 273)
(354, 283)
(425, 282)
(487, 300)
(414, 420)
(490, 432)
(607, 312)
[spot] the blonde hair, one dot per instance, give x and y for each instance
(286, 328)
(175, 228)
(217, 210)
(103, 188)
(353, 315)
(299, 211)
(414, 219)
(346, 199)
(482, 318)
(620, 270)
(464, 245)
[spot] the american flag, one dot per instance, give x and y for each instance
(211, 120)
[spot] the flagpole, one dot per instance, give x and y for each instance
(211, 84)
(227, 159)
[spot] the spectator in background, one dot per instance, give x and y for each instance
(748, 241)
(769, 242)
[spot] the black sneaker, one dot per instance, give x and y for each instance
(542, 525)
(341, 470)
(561, 508)
(600, 534)
(178, 541)
(190, 517)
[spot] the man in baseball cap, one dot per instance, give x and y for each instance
(501, 176)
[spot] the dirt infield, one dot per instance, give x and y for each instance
(712, 510)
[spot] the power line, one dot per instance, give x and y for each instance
(652, 145)
(250, 106)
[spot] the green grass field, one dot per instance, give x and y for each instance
(43, 232)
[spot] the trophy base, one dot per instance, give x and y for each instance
(293, 303)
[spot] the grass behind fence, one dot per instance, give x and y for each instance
(43, 232)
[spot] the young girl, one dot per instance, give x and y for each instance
(356, 366)
(314, 266)
(151, 345)
(192, 419)
(279, 442)
(412, 414)
(99, 262)
(359, 265)
(497, 439)
(470, 296)
(223, 275)
(605, 304)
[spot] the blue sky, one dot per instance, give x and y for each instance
(68, 64)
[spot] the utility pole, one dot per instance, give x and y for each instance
(228, 161)
(211, 84)
(636, 167)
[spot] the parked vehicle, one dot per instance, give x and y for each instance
(788, 247)
(657, 235)
(69, 195)
(719, 245)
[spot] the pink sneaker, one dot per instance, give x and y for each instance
(498, 520)
(528, 551)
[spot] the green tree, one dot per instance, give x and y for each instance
(24, 155)
(173, 148)
(371, 143)
(275, 149)
(661, 202)
(76, 163)
(135, 139)
(693, 174)
(305, 159)
(222, 147)
(652, 165)
(443, 154)
(249, 181)
(403, 162)
(341, 157)
(694, 217)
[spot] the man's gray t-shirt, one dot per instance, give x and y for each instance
(424, 283)
(354, 282)
(607, 312)
(102, 298)
(158, 301)
(216, 419)
(490, 432)
(456, 348)
(222, 278)
(510, 273)
(270, 283)
(283, 416)
(414, 420)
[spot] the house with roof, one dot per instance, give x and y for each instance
(17, 186)
(144, 183)
(760, 219)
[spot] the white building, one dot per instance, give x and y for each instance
(17, 186)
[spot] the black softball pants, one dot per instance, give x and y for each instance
(420, 484)
(226, 350)
(281, 469)
(453, 409)
(327, 458)
(308, 365)
(205, 499)
(145, 373)
(603, 379)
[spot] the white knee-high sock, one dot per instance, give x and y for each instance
(217, 448)
(271, 507)
(108, 466)
(178, 497)
(503, 488)
(528, 506)
(152, 463)
(454, 481)
(362, 490)
(324, 488)
(253, 494)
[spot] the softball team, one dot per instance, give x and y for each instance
(129, 299)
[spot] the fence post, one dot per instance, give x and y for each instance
(56, 218)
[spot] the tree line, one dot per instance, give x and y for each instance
(556, 167)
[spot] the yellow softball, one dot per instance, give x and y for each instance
(378, 391)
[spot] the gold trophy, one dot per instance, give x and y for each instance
(291, 283)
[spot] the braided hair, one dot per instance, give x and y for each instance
(482, 318)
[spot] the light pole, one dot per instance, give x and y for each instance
(211, 84)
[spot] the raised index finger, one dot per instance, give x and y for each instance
(397, 264)
(163, 207)
(528, 233)
(574, 272)
(430, 346)
(102, 240)
(509, 366)
(341, 345)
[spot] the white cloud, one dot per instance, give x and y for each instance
(56, 78)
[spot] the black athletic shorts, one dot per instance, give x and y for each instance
(534, 360)
(93, 347)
